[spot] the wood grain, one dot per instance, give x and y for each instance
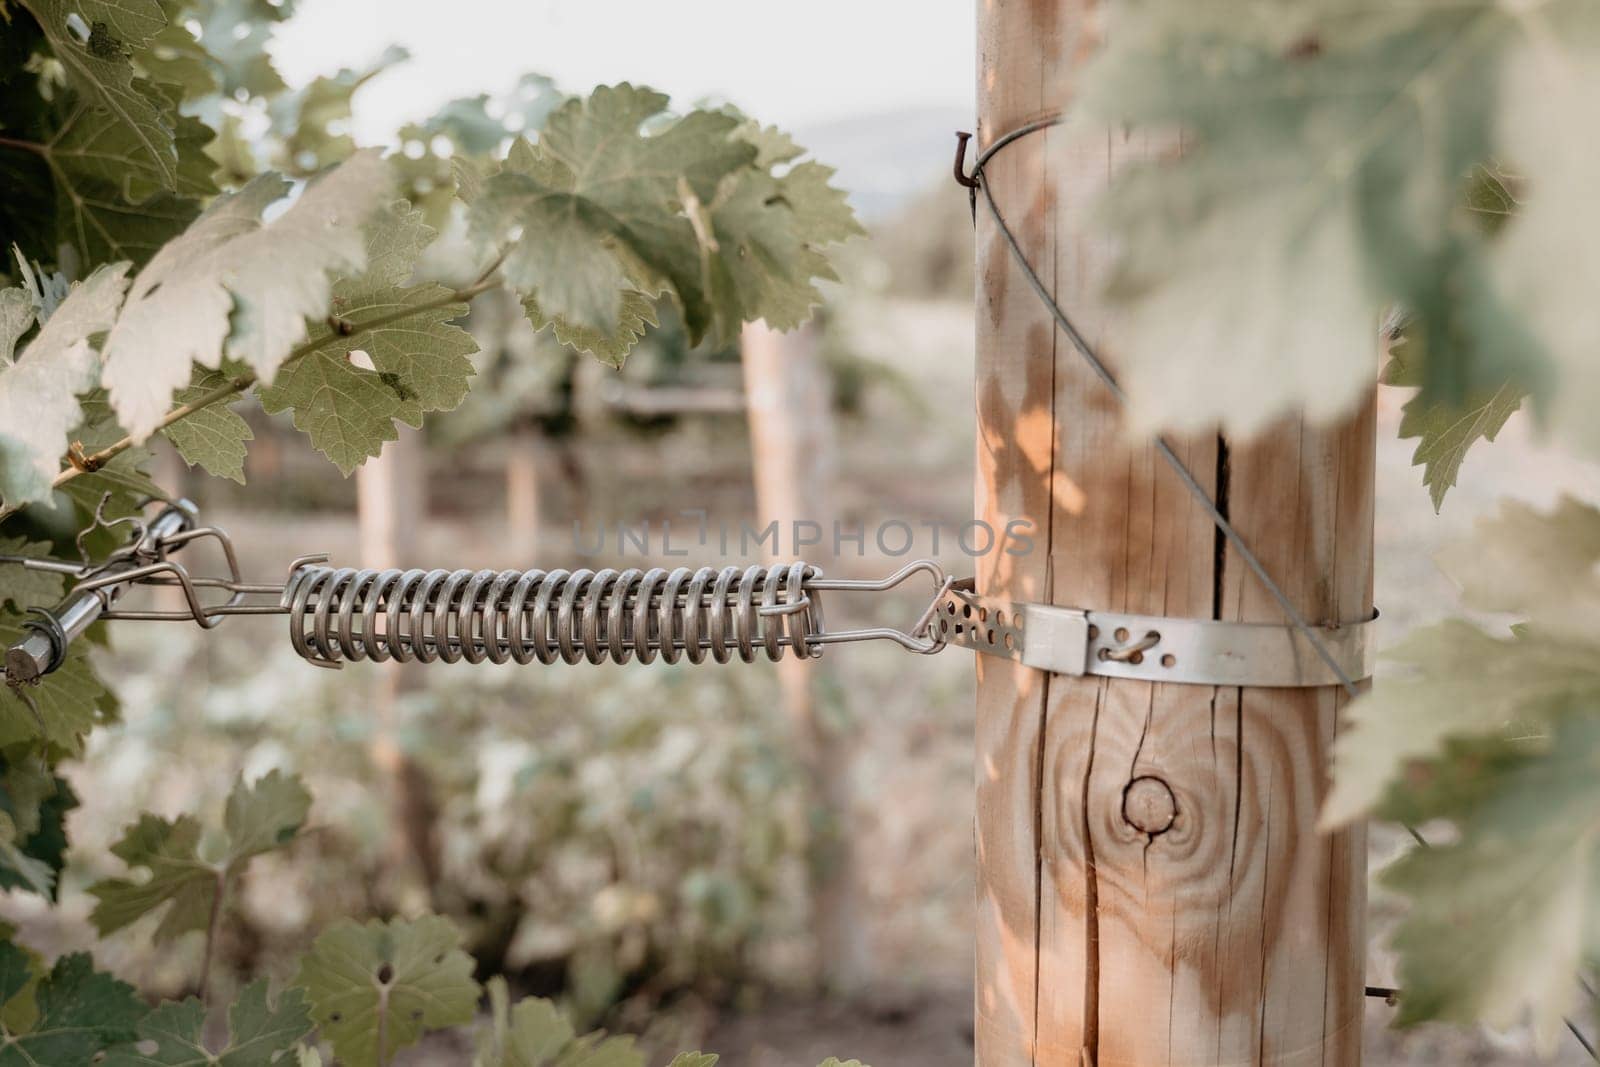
(1234, 934)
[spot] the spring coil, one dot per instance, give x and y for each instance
(338, 614)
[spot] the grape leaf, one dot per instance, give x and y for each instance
(1501, 918)
(535, 1033)
(169, 851)
(20, 971)
(1326, 151)
(235, 34)
(529, 1035)
(1547, 260)
(16, 318)
(177, 59)
(260, 1033)
(610, 216)
(233, 278)
(599, 205)
(310, 120)
(468, 123)
(375, 989)
(94, 40)
(81, 1012)
(1446, 431)
(764, 249)
(417, 361)
(609, 346)
(38, 393)
(36, 803)
(213, 437)
(104, 205)
(1539, 565)
(60, 708)
(258, 818)
(1464, 682)
(23, 588)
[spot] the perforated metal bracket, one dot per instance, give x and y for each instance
(1147, 647)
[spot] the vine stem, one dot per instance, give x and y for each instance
(383, 1024)
(95, 460)
(213, 929)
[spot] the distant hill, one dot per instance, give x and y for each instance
(886, 159)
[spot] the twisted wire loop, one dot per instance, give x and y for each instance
(339, 614)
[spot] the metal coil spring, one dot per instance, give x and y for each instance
(338, 614)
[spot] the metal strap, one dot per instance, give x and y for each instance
(1152, 648)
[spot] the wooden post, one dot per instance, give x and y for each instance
(525, 456)
(1151, 887)
(791, 415)
(391, 492)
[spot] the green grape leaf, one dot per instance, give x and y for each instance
(763, 249)
(375, 989)
(20, 971)
(39, 392)
(535, 1033)
(1539, 565)
(59, 708)
(412, 359)
(612, 347)
(695, 1059)
(264, 816)
(310, 120)
(1544, 259)
(258, 818)
(237, 286)
(81, 1012)
(176, 58)
(1312, 192)
(36, 802)
(235, 33)
(468, 124)
(1446, 431)
(260, 1034)
(1501, 918)
(214, 436)
(23, 588)
(1462, 682)
(16, 318)
(529, 1035)
(169, 851)
(102, 208)
(94, 40)
(599, 205)
(20, 869)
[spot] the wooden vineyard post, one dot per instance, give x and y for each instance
(1152, 888)
(525, 456)
(391, 492)
(787, 392)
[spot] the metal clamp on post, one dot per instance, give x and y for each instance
(1147, 647)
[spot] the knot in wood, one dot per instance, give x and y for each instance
(1148, 805)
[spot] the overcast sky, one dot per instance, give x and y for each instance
(790, 63)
